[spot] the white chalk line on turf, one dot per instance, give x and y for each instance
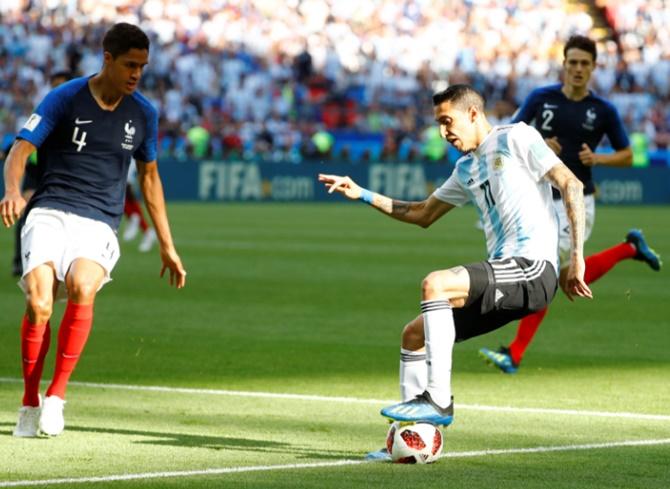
(337, 463)
(354, 400)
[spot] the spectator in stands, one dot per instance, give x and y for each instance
(349, 66)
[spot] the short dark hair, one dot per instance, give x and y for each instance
(461, 95)
(61, 74)
(123, 37)
(583, 43)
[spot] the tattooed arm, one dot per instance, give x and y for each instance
(422, 213)
(572, 192)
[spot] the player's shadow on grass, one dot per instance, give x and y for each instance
(213, 442)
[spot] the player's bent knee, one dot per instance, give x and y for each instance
(40, 307)
(82, 290)
(430, 285)
(435, 285)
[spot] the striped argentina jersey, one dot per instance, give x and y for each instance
(504, 178)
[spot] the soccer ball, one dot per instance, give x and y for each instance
(414, 443)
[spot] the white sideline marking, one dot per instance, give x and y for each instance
(352, 400)
(337, 463)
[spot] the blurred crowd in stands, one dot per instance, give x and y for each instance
(339, 80)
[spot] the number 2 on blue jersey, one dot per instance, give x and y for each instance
(547, 116)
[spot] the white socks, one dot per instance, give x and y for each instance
(440, 333)
(413, 373)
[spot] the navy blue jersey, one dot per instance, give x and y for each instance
(86, 150)
(573, 123)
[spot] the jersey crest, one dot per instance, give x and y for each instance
(589, 123)
(127, 143)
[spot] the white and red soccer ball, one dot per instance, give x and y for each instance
(416, 443)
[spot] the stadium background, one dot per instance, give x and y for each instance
(257, 97)
(344, 82)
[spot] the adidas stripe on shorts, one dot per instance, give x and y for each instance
(502, 291)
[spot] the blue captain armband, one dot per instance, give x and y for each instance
(366, 196)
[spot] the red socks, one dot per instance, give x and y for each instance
(599, 264)
(35, 340)
(132, 206)
(524, 335)
(72, 336)
(596, 266)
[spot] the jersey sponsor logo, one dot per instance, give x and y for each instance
(80, 121)
(32, 122)
(550, 106)
(128, 138)
(590, 119)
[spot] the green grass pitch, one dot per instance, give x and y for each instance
(310, 300)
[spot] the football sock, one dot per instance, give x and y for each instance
(35, 339)
(524, 334)
(129, 206)
(413, 373)
(72, 336)
(440, 333)
(596, 266)
(132, 207)
(599, 264)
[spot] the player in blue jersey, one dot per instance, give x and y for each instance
(506, 172)
(86, 132)
(573, 121)
(31, 179)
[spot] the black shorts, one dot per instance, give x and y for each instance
(502, 291)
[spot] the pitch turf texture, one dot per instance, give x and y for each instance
(310, 300)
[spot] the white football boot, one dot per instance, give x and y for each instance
(148, 240)
(51, 420)
(132, 228)
(29, 420)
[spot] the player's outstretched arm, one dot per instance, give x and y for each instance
(422, 213)
(13, 203)
(572, 192)
(152, 190)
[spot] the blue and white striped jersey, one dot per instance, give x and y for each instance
(504, 178)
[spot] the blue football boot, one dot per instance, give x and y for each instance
(381, 455)
(644, 253)
(500, 359)
(421, 408)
